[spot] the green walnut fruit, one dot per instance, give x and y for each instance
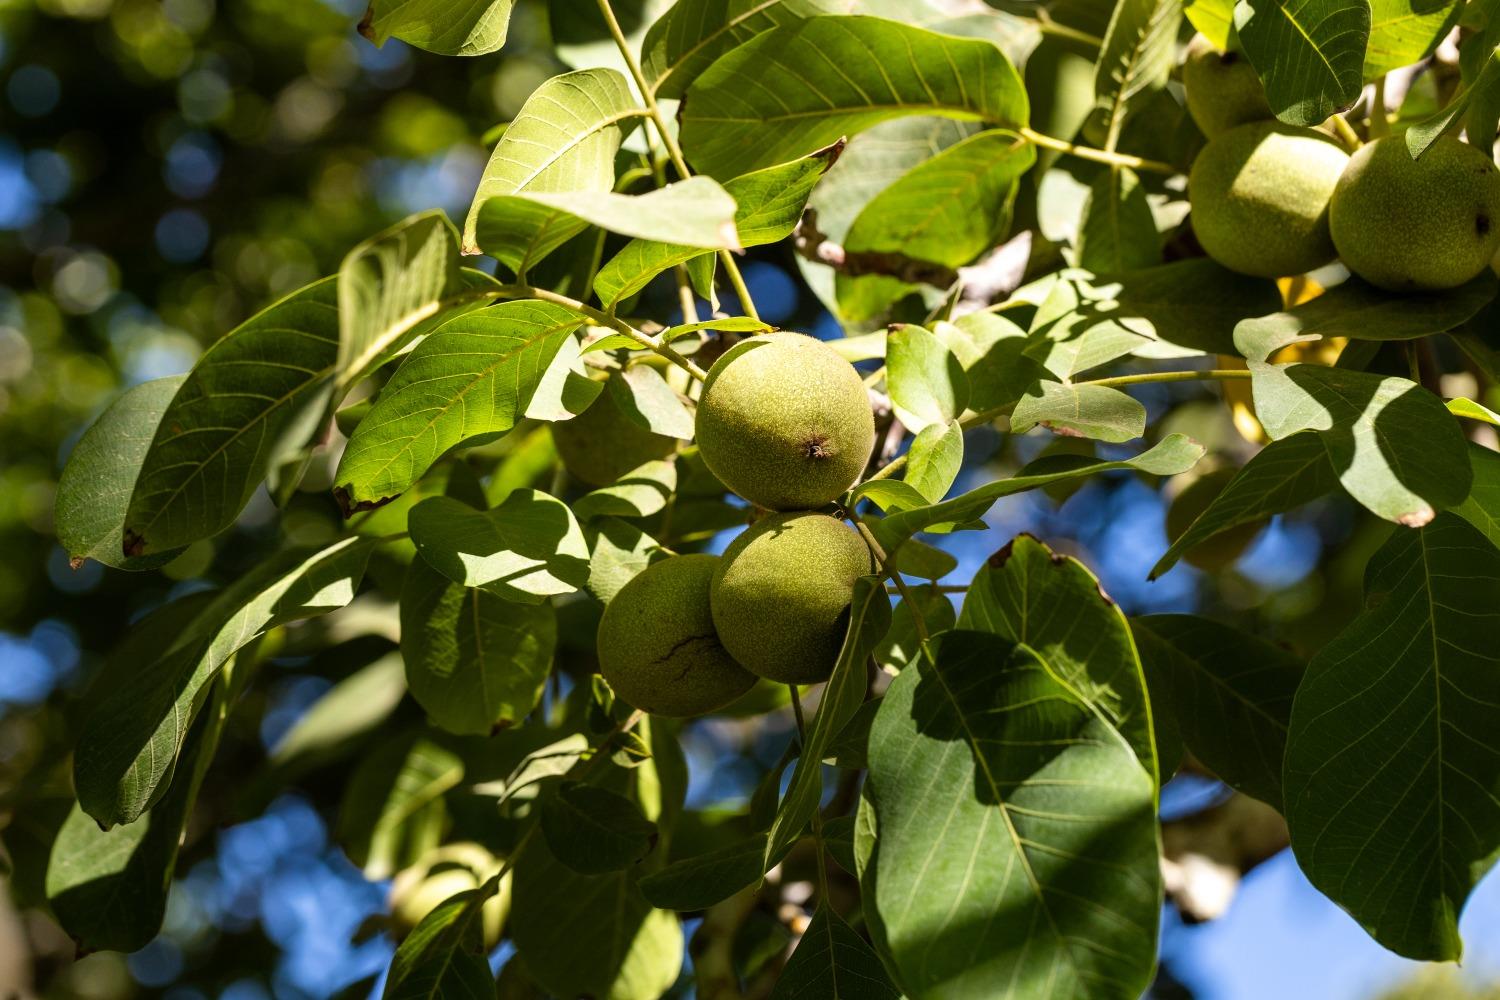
(781, 594)
(601, 444)
(1222, 88)
(785, 422)
(1260, 195)
(1414, 225)
(1219, 551)
(439, 876)
(657, 644)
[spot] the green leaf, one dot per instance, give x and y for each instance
(1482, 506)
(1118, 232)
(447, 27)
(1360, 311)
(1392, 776)
(389, 789)
(1310, 54)
(1016, 854)
(768, 204)
(1054, 606)
(619, 551)
(1479, 94)
(564, 139)
(257, 385)
(695, 212)
(926, 382)
(475, 661)
(133, 733)
(1403, 32)
(693, 33)
(108, 888)
(592, 935)
(1173, 454)
(935, 457)
(944, 212)
(641, 492)
(1470, 410)
(1139, 51)
(1230, 693)
(869, 620)
(801, 86)
(1091, 411)
(475, 374)
(832, 962)
(1285, 474)
(1395, 447)
(698, 882)
(1214, 19)
(444, 955)
(594, 830)
(355, 705)
(527, 549)
(642, 394)
(388, 285)
(991, 349)
(94, 490)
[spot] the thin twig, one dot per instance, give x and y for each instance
(1098, 155)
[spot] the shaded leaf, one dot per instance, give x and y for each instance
(260, 382)
(641, 492)
(387, 792)
(1041, 879)
(1482, 506)
(1118, 232)
(474, 661)
(698, 882)
(902, 642)
(133, 732)
(1230, 694)
(832, 962)
(594, 830)
(94, 490)
(475, 374)
(1403, 32)
(1392, 776)
(1360, 311)
(1138, 54)
(444, 954)
(800, 86)
(355, 705)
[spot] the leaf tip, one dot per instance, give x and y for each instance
(366, 25)
(1416, 518)
(75, 563)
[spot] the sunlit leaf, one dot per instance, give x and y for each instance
(1393, 444)
(693, 33)
(474, 375)
(795, 88)
(1403, 32)
(355, 705)
(528, 548)
(386, 792)
(926, 382)
(1310, 54)
(1092, 411)
(447, 27)
(934, 459)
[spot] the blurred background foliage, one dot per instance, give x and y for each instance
(167, 167)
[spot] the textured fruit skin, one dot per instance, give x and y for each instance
(601, 444)
(1260, 195)
(782, 591)
(657, 644)
(1409, 225)
(785, 422)
(1222, 88)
